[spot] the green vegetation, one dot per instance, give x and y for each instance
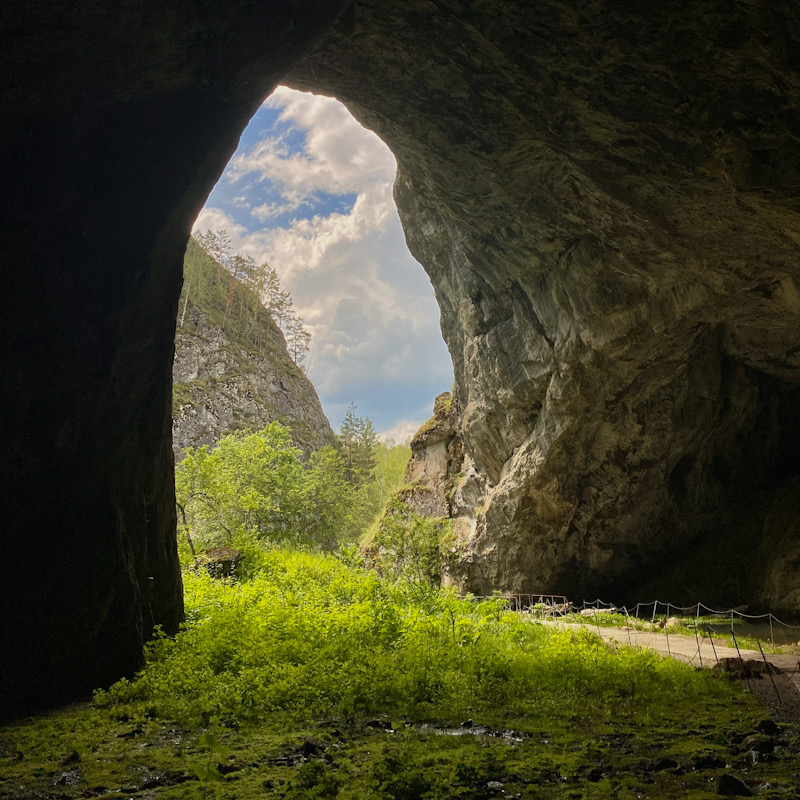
(356, 442)
(307, 676)
(314, 679)
(311, 637)
(256, 488)
(410, 546)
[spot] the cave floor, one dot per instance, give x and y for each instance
(675, 752)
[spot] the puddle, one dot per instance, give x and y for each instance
(477, 730)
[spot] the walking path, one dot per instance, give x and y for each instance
(685, 648)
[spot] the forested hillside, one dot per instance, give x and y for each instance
(232, 369)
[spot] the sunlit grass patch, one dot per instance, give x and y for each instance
(309, 636)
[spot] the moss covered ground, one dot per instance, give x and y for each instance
(313, 679)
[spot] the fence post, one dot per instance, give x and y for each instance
(771, 635)
(713, 646)
(741, 660)
(697, 639)
(628, 626)
(769, 671)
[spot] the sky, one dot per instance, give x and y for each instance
(309, 191)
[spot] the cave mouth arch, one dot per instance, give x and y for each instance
(604, 200)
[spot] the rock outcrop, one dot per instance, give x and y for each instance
(604, 195)
(235, 373)
(436, 458)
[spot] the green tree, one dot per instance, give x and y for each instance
(240, 267)
(255, 487)
(218, 245)
(357, 444)
(298, 340)
(271, 288)
(328, 501)
(391, 461)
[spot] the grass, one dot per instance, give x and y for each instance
(314, 680)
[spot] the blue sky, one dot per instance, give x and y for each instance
(310, 191)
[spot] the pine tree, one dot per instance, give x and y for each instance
(298, 340)
(358, 442)
(271, 288)
(218, 245)
(281, 309)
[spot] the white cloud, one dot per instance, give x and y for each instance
(401, 432)
(215, 219)
(340, 156)
(268, 211)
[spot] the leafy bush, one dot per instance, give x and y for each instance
(411, 546)
(310, 636)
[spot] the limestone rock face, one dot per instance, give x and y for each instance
(435, 459)
(221, 388)
(605, 198)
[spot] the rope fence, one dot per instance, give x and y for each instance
(555, 607)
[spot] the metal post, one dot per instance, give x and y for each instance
(741, 660)
(628, 626)
(769, 671)
(713, 646)
(666, 631)
(653, 618)
(697, 639)
(771, 635)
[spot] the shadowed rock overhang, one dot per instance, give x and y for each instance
(605, 196)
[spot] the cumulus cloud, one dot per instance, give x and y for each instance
(215, 219)
(368, 303)
(338, 155)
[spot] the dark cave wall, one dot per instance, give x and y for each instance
(117, 121)
(605, 198)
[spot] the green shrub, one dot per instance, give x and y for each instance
(309, 636)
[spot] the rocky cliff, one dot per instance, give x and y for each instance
(232, 370)
(436, 460)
